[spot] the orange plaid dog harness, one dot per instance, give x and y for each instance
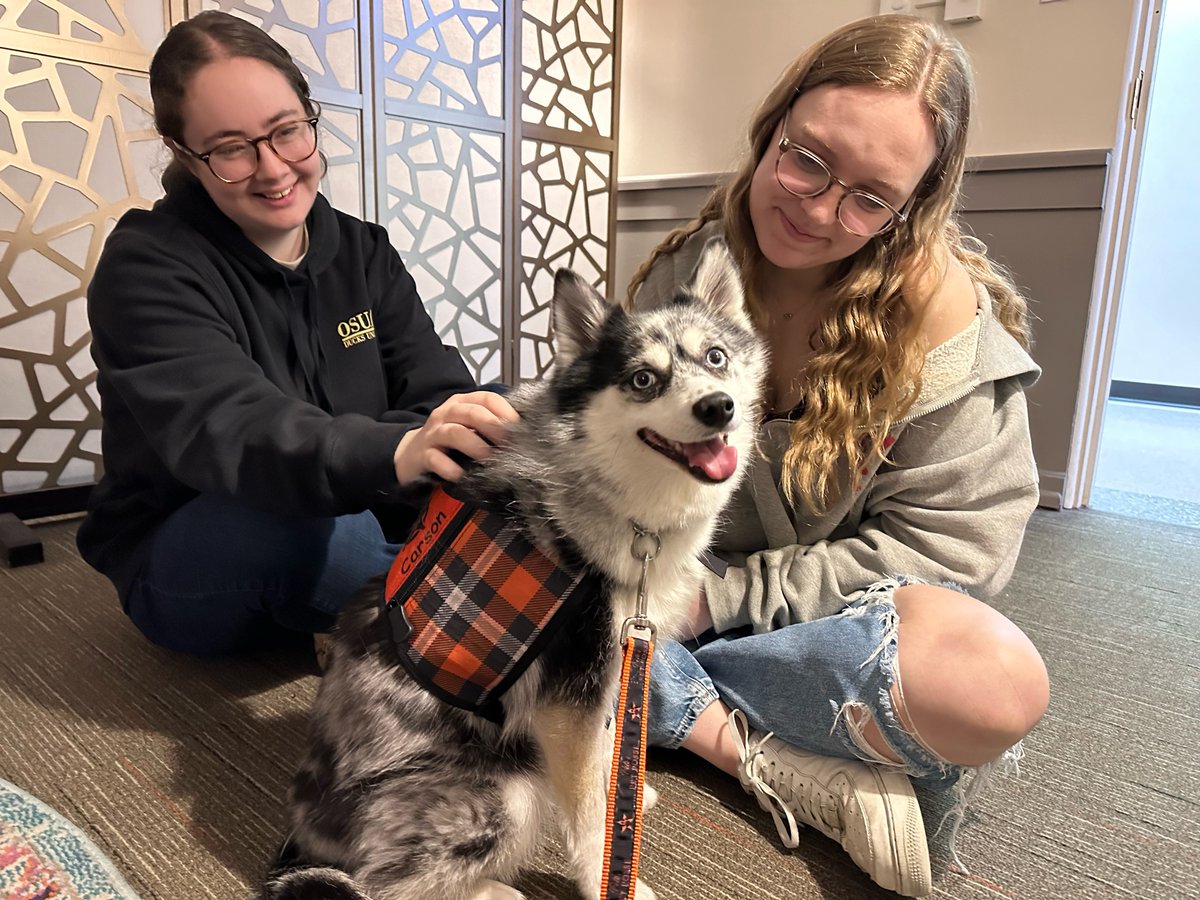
(472, 601)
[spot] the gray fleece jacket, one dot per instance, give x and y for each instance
(950, 502)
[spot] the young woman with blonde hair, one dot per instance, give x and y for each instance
(842, 653)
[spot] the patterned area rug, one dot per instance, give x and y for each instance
(45, 857)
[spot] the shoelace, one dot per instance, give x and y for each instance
(748, 756)
(766, 780)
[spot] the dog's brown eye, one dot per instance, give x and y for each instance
(642, 379)
(716, 358)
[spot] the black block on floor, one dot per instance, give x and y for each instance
(19, 546)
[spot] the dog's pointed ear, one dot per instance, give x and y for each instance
(717, 282)
(577, 315)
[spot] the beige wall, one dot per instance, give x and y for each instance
(1050, 75)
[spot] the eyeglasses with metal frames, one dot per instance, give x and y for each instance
(802, 173)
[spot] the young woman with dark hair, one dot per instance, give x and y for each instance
(271, 385)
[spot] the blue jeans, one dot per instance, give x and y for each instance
(221, 577)
(799, 682)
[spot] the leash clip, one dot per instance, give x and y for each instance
(646, 546)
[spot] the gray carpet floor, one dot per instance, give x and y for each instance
(177, 767)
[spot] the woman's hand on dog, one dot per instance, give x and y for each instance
(471, 424)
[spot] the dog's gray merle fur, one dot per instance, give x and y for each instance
(400, 795)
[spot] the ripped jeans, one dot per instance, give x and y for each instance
(799, 682)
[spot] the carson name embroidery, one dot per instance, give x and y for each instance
(357, 329)
(420, 544)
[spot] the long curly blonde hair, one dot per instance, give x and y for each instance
(866, 372)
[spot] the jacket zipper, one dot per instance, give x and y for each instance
(941, 404)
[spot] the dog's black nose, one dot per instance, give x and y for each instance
(715, 410)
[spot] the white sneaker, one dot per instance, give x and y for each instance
(870, 810)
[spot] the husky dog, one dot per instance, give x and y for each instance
(645, 419)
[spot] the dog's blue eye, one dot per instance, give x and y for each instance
(716, 358)
(642, 379)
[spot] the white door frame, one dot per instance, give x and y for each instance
(1120, 193)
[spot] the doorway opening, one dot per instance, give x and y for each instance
(1151, 429)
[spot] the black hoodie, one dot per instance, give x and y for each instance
(223, 372)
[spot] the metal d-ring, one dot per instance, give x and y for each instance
(646, 544)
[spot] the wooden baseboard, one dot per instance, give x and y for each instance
(49, 502)
(1052, 487)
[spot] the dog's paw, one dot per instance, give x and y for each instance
(494, 890)
(643, 891)
(649, 797)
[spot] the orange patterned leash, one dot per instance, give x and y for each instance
(623, 826)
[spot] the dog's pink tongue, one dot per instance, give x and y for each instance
(715, 458)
